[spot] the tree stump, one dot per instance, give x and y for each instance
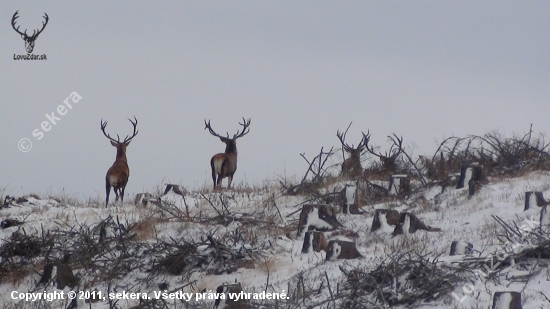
(410, 223)
(319, 217)
(339, 249)
(533, 198)
(461, 248)
(351, 200)
(544, 219)
(9, 223)
(225, 302)
(473, 187)
(173, 195)
(391, 217)
(468, 172)
(507, 300)
(399, 184)
(314, 240)
(142, 199)
(174, 188)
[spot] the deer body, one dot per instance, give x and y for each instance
(118, 174)
(224, 165)
(351, 166)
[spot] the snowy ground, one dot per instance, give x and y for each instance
(279, 263)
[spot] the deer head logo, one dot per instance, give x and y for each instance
(29, 40)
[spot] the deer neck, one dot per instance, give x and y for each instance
(231, 149)
(121, 155)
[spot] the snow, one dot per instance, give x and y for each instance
(463, 219)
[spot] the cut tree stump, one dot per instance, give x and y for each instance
(473, 187)
(410, 223)
(507, 300)
(319, 217)
(392, 218)
(449, 182)
(142, 199)
(314, 240)
(9, 223)
(174, 188)
(227, 303)
(351, 200)
(533, 198)
(339, 250)
(399, 184)
(544, 219)
(468, 172)
(461, 248)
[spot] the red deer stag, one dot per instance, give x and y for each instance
(225, 164)
(389, 159)
(118, 173)
(351, 166)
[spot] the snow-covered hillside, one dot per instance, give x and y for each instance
(197, 242)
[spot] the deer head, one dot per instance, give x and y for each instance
(389, 158)
(225, 164)
(29, 40)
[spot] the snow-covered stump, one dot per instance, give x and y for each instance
(473, 187)
(391, 216)
(225, 302)
(544, 219)
(461, 248)
(173, 195)
(399, 184)
(339, 250)
(9, 223)
(534, 198)
(409, 223)
(176, 189)
(351, 200)
(143, 199)
(507, 300)
(473, 171)
(319, 217)
(316, 241)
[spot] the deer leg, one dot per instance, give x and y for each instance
(108, 191)
(229, 179)
(122, 195)
(116, 194)
(213, 172)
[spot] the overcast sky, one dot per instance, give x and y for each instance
(300, 70)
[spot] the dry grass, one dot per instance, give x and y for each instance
(145, 228)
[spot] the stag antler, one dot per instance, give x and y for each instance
(207, 126)
(103, 126)
(126, 139)
(245, 124)
(342, 138)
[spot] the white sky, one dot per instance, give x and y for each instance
(300, 70)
